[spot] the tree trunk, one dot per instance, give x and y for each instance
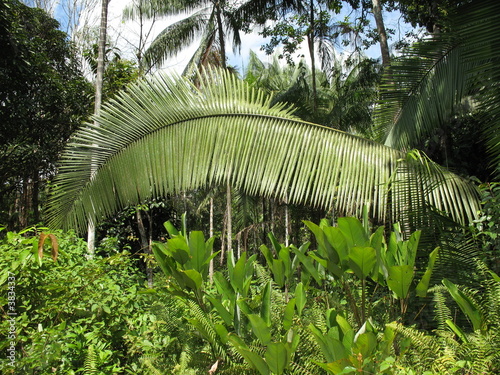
(229, 219)
(211, 234)
(222, 44)
(384, 46)
(98, 101)
(310, 43)
(145, 245)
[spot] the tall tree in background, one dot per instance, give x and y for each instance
(43, 99)
(382, 34)
(98, 99)
(212, 21)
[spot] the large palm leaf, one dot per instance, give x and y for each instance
(165, 135)
(426, 87)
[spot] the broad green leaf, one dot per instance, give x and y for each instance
(288, 314)
(193, 279)
(222, 332)
(238, 276)
(331, 346)
(279, 272)
(307, 262)
(362, 260)
(400, 279)
(353, 231)
(325, 248)
(337, 240)
(253, 359)
(300, 298)
(222, 311)
(466, 304)
(158, 251)
(457, 331)
(171, 229)
(179, 249)
(224, 287)
(265, 307)
(276, 357)
(423, 285)
(197, 250)
(267, 255)
(274, 242)
(260, 328)
(365, 344)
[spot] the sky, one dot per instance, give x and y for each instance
(125, 34)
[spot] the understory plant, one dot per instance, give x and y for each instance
(272, 312)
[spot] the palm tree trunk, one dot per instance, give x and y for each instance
(211, 234)
(384, 46)
(310, 43)
(222, 43)
(229, 219)
(98, 101)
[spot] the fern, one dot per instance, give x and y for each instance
(90, 365)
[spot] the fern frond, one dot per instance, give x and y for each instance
(90, 364)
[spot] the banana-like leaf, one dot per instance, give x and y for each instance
(164, 135)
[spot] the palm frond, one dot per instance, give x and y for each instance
(176, 37)
(420, 91)
(425, 88)
(164, 136)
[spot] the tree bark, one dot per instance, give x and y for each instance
(98, 102)
(145, 245)
(310, 42)
(379, 20)
(222, 43)
(229, 219)
(211, 234)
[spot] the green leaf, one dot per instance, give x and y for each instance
(276, 357)
(362, 260)
(154, 124)
(399, 280)
(300, 298)
(423, 285)
(222, 311)
(260, 328)
(238, 275)
(193, 279)
(197, 250)
(466, 304)
(171, 230)
(253, 359)
(288, 314)
(353, 231)
(265, 308)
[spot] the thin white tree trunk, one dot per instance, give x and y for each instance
(211, 234)
(229, 219)
(97, 106)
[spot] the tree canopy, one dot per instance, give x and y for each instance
(43, 99)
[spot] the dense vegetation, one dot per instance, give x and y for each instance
(326, 216)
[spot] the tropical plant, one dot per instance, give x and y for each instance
(431, 84)
(75, 315)
(43, 97)
(212, 21)
(467, 343)
(239, 138)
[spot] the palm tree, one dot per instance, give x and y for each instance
(164, 135)
(429, 87)
(212, 21)
(344, 100)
